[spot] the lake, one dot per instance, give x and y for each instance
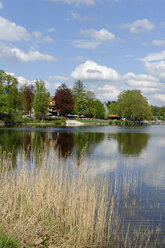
(135, 155)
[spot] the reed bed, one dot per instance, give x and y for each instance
(52, 205)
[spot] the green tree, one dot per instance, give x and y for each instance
(3, 98)
(91, 108)
(78, 89)
(80, 100)
(112, 107)
(133, 106)
(41, 99)
(82, 106)
(100, 110)
(11, 90)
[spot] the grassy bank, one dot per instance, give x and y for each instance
(50, 206)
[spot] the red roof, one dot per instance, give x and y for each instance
(113, 115)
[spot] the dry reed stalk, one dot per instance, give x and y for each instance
(58, 207)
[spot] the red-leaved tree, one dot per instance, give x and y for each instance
(64, 103)
(28, 95)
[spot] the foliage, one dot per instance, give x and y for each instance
(80, 106)
(41, 99)
(13, 118)
(86, 102)
(158, 112)
(112, 107)
(28, 95)
(9, 95)
(133, 106)
(100, 110)
(63, 100)
(78, 89)
(91, 111)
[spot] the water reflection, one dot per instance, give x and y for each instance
(63, 143)
(104, 153)
(131, 143)
(36, 144)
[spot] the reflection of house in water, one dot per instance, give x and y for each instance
(113, 117)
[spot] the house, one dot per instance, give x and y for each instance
(51, 108)
(113, 117)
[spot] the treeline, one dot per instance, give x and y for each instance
(131, 105)
(78, 101)
(158, 112)
(34, 100)
(16, 102)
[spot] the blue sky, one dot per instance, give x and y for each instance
(111, 45)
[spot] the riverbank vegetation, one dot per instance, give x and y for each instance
(17, 104)
(53, 206)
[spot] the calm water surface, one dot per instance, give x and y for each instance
(136, 155)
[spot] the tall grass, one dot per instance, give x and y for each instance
(52, 206)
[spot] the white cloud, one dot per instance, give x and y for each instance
(160, 97)
(22, 81)
(101, 34)
(59, 78)
(158, 42)
(77, 2)
(48, 39)
(139, 26)
(90, 70)
(149, 84)
(77, 17)
(1, 5)
(80, 58)
(156, 69)
(141, 83)
(108, 92)
(38, 36)
(86, 44)
(56, 85)
(16, 55)
(154, 56)
(9, 31)
(51, 30)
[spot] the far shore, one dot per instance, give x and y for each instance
(85, 122)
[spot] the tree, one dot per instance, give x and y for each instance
(3, 98)
(80, 100)
(64, 103)
(100, 110)
(133, 105)
(112, 107)
(91, 110)
(78, 89)
(41, 99)
(28, 95)
(9, 94)
(11, 89)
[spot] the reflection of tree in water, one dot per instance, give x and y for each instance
(27, 144)
(131, 143)
(63, 143)
(77, 144)
(10, 143)
(15, 142)
(41, 144)
(86, 143)
(36, 144)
